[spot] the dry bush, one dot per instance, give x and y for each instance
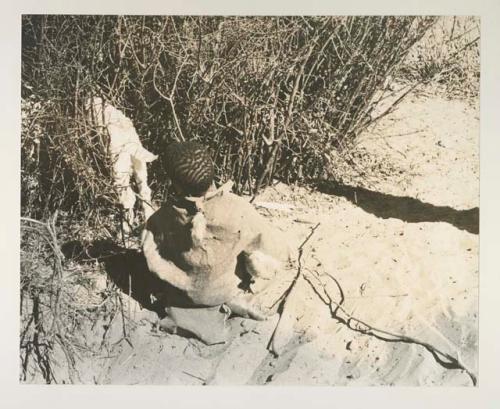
(48, 317)
(64, 166)
(67, 315)
(448, 54)
(269, 95)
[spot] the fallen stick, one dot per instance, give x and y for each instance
(274, 206)
(298, 220)
(282, 300)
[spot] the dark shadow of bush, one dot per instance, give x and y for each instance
(405, 208)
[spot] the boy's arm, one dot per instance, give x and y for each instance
(165, 270)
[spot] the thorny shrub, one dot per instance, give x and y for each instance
(270, 96)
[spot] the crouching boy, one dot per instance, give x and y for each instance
(210, 247)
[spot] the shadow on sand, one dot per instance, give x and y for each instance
(404, 208)
(127, 268)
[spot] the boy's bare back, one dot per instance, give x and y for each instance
(206, 268)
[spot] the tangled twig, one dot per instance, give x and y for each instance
(444, 359)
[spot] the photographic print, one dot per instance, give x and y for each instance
(242, 200)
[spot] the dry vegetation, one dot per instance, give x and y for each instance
(274, 98)
(449, 55)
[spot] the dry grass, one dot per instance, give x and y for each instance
(62, 311)
(448, 54)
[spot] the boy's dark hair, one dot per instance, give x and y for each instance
(190, 167)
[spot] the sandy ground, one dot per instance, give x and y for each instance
(405, 252)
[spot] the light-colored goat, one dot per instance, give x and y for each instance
(129, 157)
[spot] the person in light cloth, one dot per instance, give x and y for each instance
(210, 247)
